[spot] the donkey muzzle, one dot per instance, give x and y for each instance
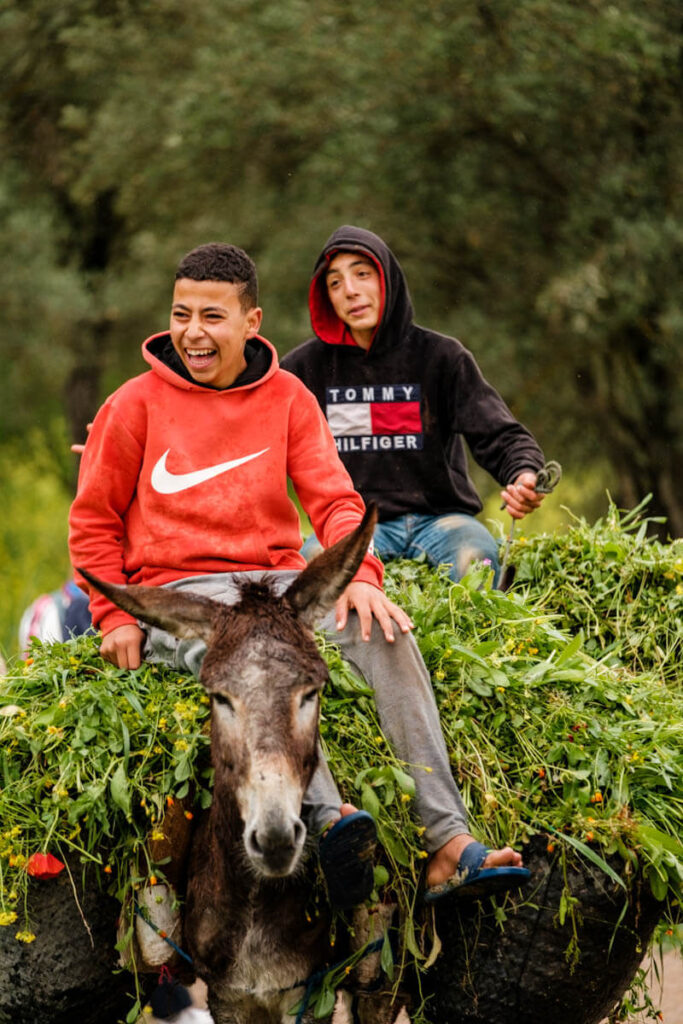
(274, 834)
(275, 845)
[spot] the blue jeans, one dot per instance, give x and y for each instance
(454, 539)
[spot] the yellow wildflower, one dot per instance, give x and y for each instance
(7, 917)
(25, 937)
(181, 745)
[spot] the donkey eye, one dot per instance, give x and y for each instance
(308, 697)
(224, 701)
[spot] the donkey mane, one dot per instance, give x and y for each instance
(262, 616)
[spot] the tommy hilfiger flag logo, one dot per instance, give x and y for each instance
(376, 417)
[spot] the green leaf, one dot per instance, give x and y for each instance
(394, 847)
(381, 876)
(120, 790)
(183, 769)
(659, 885)
(592, 856)
(133, 1013)
(134, 703)
(370, 801)
(387, 957)
(406, 782)
(324, 1004)
(655, 840)
(410, 940)
(562, 912)
(572, 648)
(478, 686)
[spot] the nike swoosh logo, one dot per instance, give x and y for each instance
(165, 482)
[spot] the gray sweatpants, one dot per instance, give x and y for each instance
(403, 695)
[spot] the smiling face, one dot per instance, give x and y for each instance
(209, 329)
(355, 291)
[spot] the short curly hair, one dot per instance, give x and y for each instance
(219, 261)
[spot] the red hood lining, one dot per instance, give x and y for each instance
(325, 322)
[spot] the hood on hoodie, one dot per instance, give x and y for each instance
(397, 308)
(260, 356)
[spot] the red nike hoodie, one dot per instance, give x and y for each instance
(178, 479)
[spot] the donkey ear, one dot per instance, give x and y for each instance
(316, 590)
(183, 615)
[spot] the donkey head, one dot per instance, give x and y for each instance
(264, 674)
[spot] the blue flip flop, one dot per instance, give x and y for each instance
(346, 853)
(471, 880)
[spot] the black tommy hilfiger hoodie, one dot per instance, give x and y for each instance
(400, 411)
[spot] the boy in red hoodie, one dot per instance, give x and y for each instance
(183, 483)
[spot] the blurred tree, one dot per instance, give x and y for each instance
(521, 156)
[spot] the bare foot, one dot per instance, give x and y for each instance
(444, 862)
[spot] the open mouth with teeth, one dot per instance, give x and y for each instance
(199, 358)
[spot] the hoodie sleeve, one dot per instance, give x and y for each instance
(498, 442)
(108, 476)
(321, 481)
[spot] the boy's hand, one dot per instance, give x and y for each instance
(371, 602)
(123, 646)
(78, 449)
(520, 497)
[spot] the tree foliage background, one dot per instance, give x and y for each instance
(522, 157)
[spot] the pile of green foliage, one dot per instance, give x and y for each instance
(621, 589)
(557, 721)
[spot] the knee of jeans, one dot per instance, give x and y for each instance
(468, 553)
(470, 542)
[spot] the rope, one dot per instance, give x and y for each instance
(314, 980)
(162, 934)
(310, 983)
(547, 479)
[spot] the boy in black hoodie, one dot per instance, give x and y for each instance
(400, 400)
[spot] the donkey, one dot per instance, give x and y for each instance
(245, 922)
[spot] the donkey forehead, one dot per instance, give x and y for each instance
(261, 662)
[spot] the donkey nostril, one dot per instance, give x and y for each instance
(254, 843)
(299, 832)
